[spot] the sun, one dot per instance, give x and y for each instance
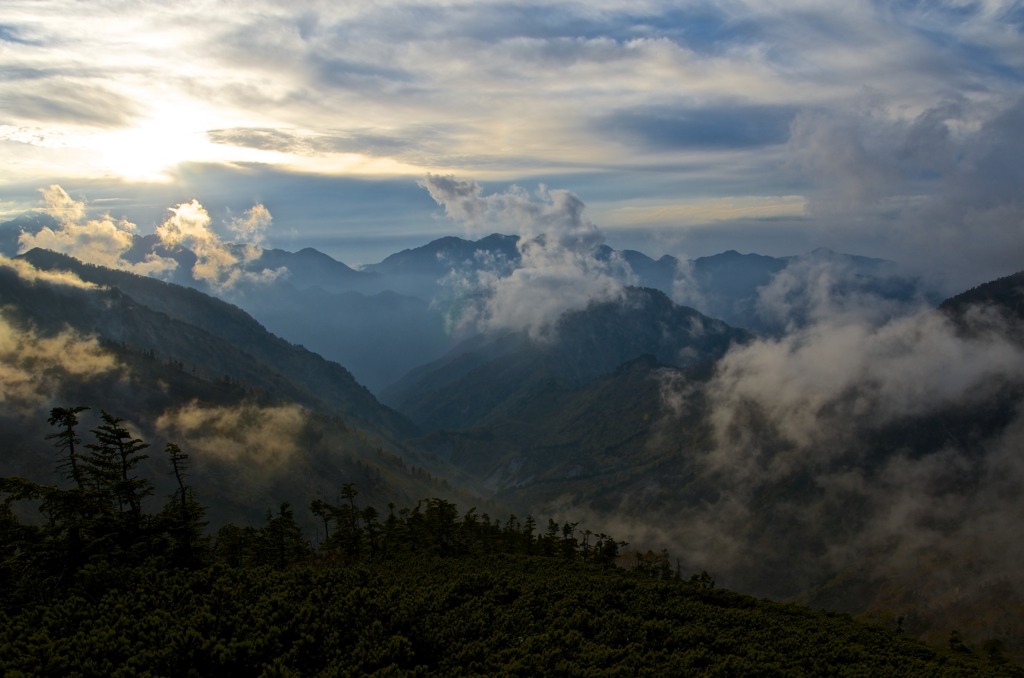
(169, 135)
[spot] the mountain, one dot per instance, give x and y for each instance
(437, 257)
(186, 325)
(379, 337)
(890, 495)
(263, 420)
(660, 274)
(310, 268)
(387, 318)
(729, 286)
(30, 222)
(587, 443)
(872, 468)
(1005, 296)
(483, 379)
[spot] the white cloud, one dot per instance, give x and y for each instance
(103, 241)
(816, 385)
(559, 269)
(251, 228)
(822, 287)
(106, 241)
(514, 92)
(218, 264)
(97, 241)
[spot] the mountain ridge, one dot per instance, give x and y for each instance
(328, 384)
(466, 387)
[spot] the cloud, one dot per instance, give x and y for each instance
(106, 241)
(100, 241)
(559, 268)
(263, 438)
(814, 387)
(266, 139)
(61, 206)
(251, 228)
(50, 100)
(942, 187)
(712, 127)
(548, 93)
(31, 274)
(415, 144)
(103, 241)
(33, 367)
(217, 264)
(852, 447)
(825, 287)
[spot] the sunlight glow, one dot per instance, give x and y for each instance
(172, 134)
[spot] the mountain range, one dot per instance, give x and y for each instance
(386, 319)
(812, 427)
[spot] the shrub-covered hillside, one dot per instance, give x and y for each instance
(432, 615)
(91, 584)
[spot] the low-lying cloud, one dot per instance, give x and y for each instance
(33, 367)
(106, 241)
(881, 451)
(218, 265)
(103, 241)
(816, 386)
(558, 270)
(825, 288)
(30, 274)
(262, 438)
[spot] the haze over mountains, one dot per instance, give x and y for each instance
(387, 318)
(810, 426)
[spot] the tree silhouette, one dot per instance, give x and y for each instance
(66, 419)
(111, 465)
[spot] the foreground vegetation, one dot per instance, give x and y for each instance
(477, 615)
(99, 587)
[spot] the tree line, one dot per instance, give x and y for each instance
(97, 514)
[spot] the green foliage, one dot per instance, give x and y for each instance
(434, 615)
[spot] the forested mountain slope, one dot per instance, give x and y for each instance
(487, 378)
(264, 420)
(869, 468)
(185, 325)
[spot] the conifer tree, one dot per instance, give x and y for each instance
(110, 467)
(281, 538)
(66, 419)
(183, 515)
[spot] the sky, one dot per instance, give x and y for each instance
(890, 129)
